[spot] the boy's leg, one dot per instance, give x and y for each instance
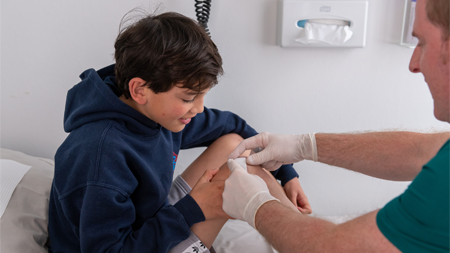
(213, 157)
(275, 188)
(216, 156)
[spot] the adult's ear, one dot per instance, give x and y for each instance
(138, 90)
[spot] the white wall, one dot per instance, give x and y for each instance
(45, 45)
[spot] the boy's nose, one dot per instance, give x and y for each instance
(198, 106)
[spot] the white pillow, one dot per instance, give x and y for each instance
(24, 225)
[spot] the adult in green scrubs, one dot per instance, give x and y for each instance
(415, 221)
(418, 220)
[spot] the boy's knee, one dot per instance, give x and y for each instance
(232, 138)
(257, 170)
(229, 141)
(223, 173)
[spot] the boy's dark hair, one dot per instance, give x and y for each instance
(166, 50)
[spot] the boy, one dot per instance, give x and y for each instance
(127, 122)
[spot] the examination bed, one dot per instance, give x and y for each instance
(23, 226)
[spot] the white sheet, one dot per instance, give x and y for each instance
(238, 236)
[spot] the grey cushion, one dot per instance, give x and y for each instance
(23, 226)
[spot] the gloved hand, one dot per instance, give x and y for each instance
(244, 194)
(278, 149)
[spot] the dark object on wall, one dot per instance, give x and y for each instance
(202, 8)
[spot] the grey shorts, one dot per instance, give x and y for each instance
(178, 190)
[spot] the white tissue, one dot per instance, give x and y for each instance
(242, 161)
(333, 32)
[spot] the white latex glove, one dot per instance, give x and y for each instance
(278, 149)
(244, 194)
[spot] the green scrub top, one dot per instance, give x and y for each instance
(418, 220)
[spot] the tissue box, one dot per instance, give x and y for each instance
(329, 23)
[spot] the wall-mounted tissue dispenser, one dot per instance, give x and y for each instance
(303, 23)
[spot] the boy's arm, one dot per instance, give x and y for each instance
(106, 217)
(208, 126)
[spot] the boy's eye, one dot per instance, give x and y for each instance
(188, 101)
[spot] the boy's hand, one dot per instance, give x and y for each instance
(208, 196)
(295, 193)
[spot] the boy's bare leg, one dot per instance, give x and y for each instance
(275, 188)
(215, 156)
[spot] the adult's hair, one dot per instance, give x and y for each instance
(438, 12)
(166, 50)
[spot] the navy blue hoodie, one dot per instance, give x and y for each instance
(114, 171)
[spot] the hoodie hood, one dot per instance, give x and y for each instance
(96, 98)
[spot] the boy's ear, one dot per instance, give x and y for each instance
(138, 90)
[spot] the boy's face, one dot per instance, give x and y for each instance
(175, 108)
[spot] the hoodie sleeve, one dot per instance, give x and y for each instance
(107, 214)
(208, 126)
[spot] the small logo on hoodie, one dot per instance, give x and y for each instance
(174, 157)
